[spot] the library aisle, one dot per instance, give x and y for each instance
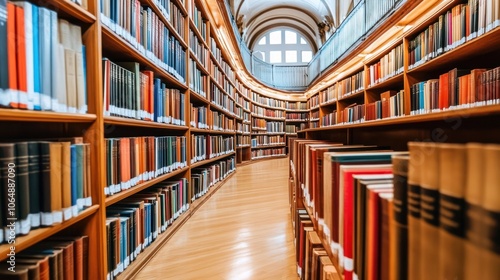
(242, 232)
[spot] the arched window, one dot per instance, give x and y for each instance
(283, 46)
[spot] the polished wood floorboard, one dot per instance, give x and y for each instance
(242, 232)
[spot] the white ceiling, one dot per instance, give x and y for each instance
(257, 16)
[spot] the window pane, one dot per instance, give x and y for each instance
(290, 38)
(275, 56)
(302, 41)
(275, 37)
(306, 56)
(291, 56)
(263, 41)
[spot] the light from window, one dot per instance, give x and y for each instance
(302, 41)
(275, 56)
(263, 41)
(291, 56)
(275, 37)
(290, 38)
(306, 56)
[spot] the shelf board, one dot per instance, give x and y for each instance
(197, 32)
(126, 50)
(473, 48)
(269, 157)
(44, 116)
(390, 83)
(267, 106)
(295, 121)
(291, 134)
(268, 146)
(211, 131)
(71, 9)
(352, 95)
(297, 110)
(37, 235)
(222, 110)
(269, 118)
(140, 123)
(269, 133)
(243, 146)
(194, 95)
(207, 161)
(181, 7)
(431, 117)
(329, 103)
(199, 65)
(110, 200)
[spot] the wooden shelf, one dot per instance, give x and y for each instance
(269, 157)
(72, 10)
(269, 133)
(44, 116)
(268, 118)
(118, 45)
(197, 32)
(140, 123)
(243, 146)
(390, 83)
(211, 131)
(267, 106)
(133, 190)
(329, 103)
(199, 64)
(295, 121)
(181, 6)
(297, 110)
(268, 146)
(357, 94)
(222, 110)
(431, 117)
(207, 161)
(194, 95)
(37, 235)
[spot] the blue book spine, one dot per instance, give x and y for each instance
(36, 60)
(422, 96)
(74, 185)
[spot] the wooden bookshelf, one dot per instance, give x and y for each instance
(44, 116)
(140, 123)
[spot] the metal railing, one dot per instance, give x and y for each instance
(361, 20)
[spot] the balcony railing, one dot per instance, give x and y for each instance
(363, 18)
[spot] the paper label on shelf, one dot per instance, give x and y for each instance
(120, 267)
(74, 210)
(80, 203)
(150, 239)
(132, 256)
(47, 219)
(127, 261)
(25, 226)
(57, 216)
(355, 276)
(68, 213)
(88, 201)
(106, 191)
(145, 243)
(348, 264)
(35, 219)
(299, 271)
(138, 250)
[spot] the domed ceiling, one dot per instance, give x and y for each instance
(314, 19)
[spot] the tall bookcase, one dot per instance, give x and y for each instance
(392, 98)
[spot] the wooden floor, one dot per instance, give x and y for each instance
(242, 232)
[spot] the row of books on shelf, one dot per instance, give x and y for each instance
(328, 95)
(59, 257)
(133, 160)
(137, 221)
(390, 105)
(205, 147)
(267, 153)
(453, 28)
(132, 93)
(199, 21)
(198, 49)
(312, 258)
(218, 56)
(202, 179)
(458, 88)
(292, 128)
(351, 85)
(44, 183)
(199, 117)
(243, 128)
(390, 65)
(143, 29)
(243, 114)
(275, 127)
(217, 74)
(222, 122)
(329, 119)
(297, 116)
(43, 60)
(400, 215)
(243, 102)
(243, 140)
(313, 102)
(267, 140)
(197, 81)
(271, 102)
(220, 98)
(259, 123)
(296, 105)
